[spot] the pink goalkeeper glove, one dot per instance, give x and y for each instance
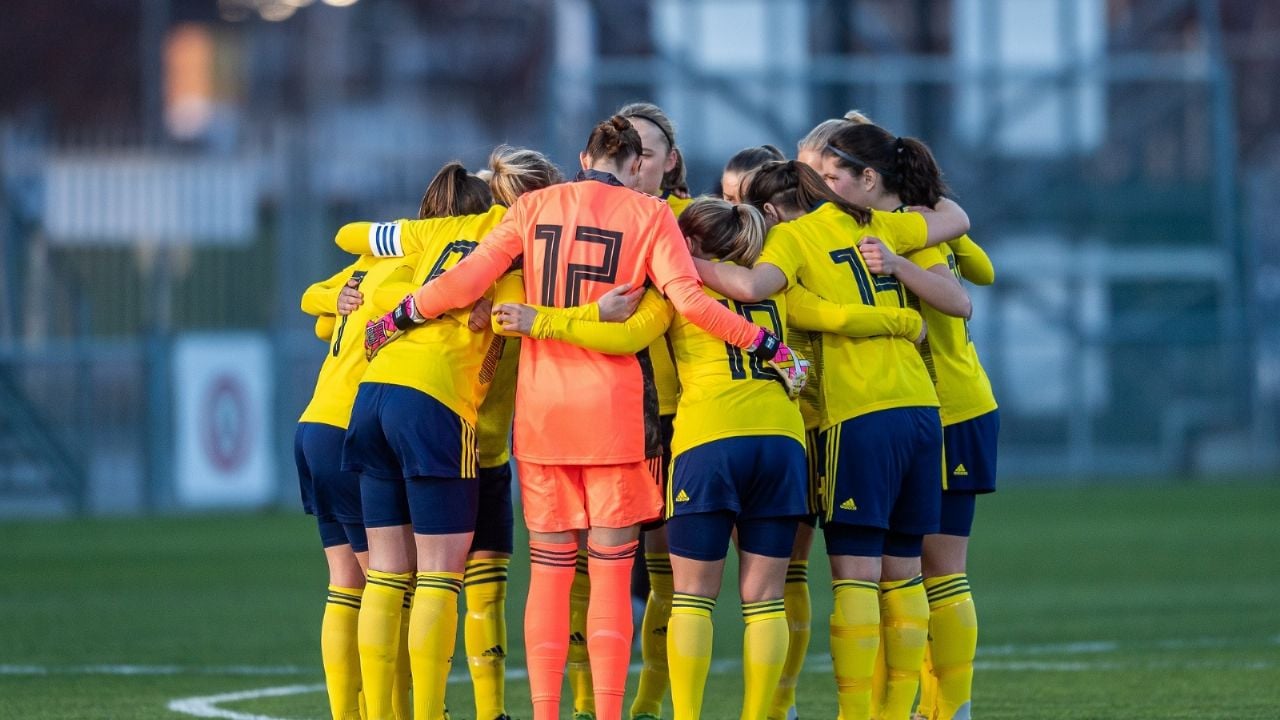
(388, 327)
(792, 369)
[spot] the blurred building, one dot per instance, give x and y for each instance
(171, 172)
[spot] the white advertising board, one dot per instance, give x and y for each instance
(222, 397)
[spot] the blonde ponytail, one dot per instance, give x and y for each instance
(719, 229)
(515, 171)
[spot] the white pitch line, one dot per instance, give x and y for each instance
(207, 706)
(239, 670)
(1075, 648)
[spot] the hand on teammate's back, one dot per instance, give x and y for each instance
(880, 259)
(924, 331)
(514, 317)
(792, 369)
(479, 320)
(349, 298)
(619, 303)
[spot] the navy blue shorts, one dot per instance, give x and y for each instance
(398, 432)
(334, 534)
(957, 513)
(865, 541)
(970, 452)
(495, 522)
(328, 492)
(433, 505)
(753, 477)
(705, 536)
(884, 470)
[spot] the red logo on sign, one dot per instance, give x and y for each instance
(225, 419)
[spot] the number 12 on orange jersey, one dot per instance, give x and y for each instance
(571, 289)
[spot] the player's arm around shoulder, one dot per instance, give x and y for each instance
(338, 294)
(974, 263)
(807, 310)
(934, 284)
(622, 322)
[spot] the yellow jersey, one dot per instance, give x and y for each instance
(972, 261)
(727, 393)
(808, 316)
(443, 358)
(806, 344)
(819, 250)
(677, 203)
(493, 424)
(344, 364)
(665, 378)
(964, 390)
(404, 237)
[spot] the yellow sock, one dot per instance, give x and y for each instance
(653, 637)
(904, 621)
(795, 596)
(689, 640)
(378, 631)
(432, 632)
(879, 674)
(855, 638)
(953, 626)
(928, 683)
(402, 684)
(764, 651)
(584, 698)
(340, 651)
(485, 633)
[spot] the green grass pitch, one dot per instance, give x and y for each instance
(1094, 601)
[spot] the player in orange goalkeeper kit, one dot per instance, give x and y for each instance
(586, 421)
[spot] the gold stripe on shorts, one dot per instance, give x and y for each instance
(467, 464)
(833, 466)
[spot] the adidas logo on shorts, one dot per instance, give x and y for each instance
(960, 471)
(682, 497)
(848, 505)
(496, 651)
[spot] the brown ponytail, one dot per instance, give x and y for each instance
(906, 166)
(719, 229)
(453, 191)
(515, 171)
(614, 139)
(796, 186)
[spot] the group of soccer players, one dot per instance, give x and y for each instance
(791, 355)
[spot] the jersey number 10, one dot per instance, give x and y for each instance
(739, 359)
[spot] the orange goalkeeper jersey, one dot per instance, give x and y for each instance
(579, 240)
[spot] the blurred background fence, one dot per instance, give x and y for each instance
(172, 171)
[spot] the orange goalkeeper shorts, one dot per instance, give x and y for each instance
(560, 498)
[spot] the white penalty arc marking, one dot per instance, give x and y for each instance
(207, 706)
(146, 670)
